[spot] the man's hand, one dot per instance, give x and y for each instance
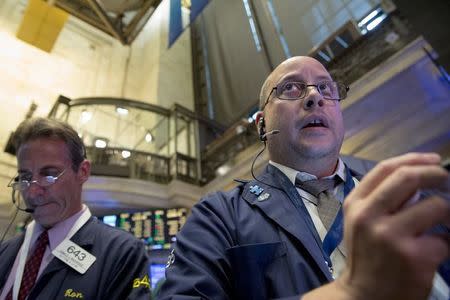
(390, 254)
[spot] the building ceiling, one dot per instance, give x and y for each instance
(122, 19)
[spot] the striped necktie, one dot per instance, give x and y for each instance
(31, 267)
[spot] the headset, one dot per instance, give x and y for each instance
(263, 138)
(262, 130)
(16, 203)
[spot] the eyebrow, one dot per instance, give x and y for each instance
(298, 78)
(45, 168)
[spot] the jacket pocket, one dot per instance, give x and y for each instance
(249, 264)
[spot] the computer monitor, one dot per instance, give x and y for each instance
(157, 272)
(110, 220)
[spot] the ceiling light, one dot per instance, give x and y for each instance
(369, 17)
(85, 116)
(148, 137)
(100, 143)
(126, 153)
(375, 22)
(121, 111)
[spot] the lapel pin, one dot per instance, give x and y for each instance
(263, 197)
(255, 189)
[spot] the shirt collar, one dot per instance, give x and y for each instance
(292, 174)
(59, 231)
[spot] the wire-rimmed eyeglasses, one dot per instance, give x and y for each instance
(293, 90)
(20, 184)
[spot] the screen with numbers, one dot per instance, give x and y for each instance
(157, 228)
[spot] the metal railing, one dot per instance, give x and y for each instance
(132, 139)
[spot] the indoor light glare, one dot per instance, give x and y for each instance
(85, 116)
(368, 17)
(122, 111)
(375, 22)
(148, 137)
(222, 170)
(126, 153)
(100, 143)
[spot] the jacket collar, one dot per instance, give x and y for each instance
(277, 197)
(84, 238)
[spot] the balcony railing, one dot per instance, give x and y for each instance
(132, 139)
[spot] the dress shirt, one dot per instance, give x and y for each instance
(56, 235)
(338, 255)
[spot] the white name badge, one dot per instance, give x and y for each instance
(74, 256)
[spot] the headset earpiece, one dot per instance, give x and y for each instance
(262, 130)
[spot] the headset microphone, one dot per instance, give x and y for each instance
(27, 210)
(262, 130)
(263, 137)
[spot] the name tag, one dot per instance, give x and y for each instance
(74, 256)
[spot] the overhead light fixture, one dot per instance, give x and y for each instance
(148, 137)
(121, 111)
(375, 22)
(369, 17)
(372, 20)
(100, 143)
(85, 116)
(126, 153)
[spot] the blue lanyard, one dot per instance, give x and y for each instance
(334, 236)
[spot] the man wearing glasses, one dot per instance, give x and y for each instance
(65, 252)
(282, 235)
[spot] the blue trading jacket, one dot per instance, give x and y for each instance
(119, 272)
(254, 242)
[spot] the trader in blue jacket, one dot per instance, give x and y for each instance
(279, 237)
(65, 253)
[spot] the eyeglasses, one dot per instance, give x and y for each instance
(18, 183)
(290, 90)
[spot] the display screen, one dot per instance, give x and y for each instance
(157, 272)
(110, 220)
(157, 228)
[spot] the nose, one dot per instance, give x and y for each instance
(312, 98)
(34, 190)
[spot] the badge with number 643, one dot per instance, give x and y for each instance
(74, 256)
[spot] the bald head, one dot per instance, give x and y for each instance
(283, 69)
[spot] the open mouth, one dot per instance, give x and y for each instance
(315, 123)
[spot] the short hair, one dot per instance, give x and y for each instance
(35, 128)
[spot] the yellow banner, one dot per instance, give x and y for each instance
(41, 24)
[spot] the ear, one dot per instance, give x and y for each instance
(84, 170)
(259, 116)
